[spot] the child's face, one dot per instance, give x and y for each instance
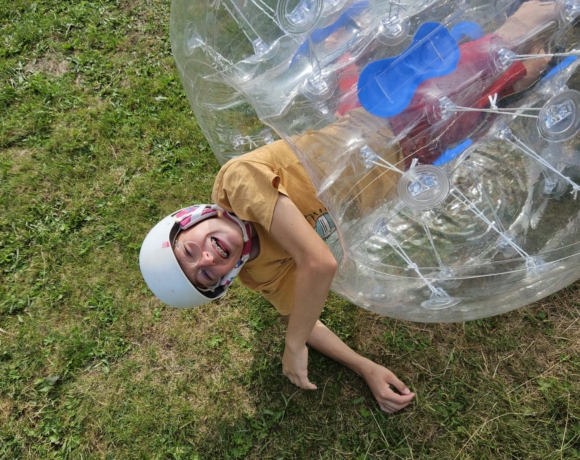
(221, 244)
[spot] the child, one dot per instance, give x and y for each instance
(190, 257)
(268, 227)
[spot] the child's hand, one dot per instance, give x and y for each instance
(295, 367)
(530, 15)
(379, 380)
(535, 8)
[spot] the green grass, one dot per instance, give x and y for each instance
(98, 143)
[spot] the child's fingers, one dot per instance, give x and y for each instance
(305, 384)
(393, 380)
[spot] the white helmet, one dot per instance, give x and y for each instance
(159, 265)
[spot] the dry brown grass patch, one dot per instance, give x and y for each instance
(6, 407)
(20, 159)
(49, 64)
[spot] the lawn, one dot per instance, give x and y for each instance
(97, 143)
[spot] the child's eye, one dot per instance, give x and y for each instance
(209, 277)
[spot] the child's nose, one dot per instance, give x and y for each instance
(206, 259)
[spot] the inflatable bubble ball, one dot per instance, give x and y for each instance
(441, 135)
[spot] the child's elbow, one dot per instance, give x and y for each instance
(332, 265)
(322, 263)
(327, 264)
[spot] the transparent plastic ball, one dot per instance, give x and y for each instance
(442, 136)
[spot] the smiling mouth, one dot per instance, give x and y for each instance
(222, 252)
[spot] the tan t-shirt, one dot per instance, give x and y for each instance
(249, 186)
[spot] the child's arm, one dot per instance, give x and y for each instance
(524, 28)
(378, 378)
(531, 19)
(315, 268)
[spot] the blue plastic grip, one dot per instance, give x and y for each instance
(450, 154)
(319, 35)
(386, 87)
(466, 29)
(561, 66)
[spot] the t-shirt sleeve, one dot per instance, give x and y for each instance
(249, 189)
(283, 296)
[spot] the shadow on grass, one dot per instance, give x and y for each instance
(208, 384)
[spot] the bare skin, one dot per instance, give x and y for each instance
(529, 21)
(315, 268)
(378, 378)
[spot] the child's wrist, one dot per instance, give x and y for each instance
(293, 344)
(365, 367)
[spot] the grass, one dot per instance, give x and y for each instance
(97, 143)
